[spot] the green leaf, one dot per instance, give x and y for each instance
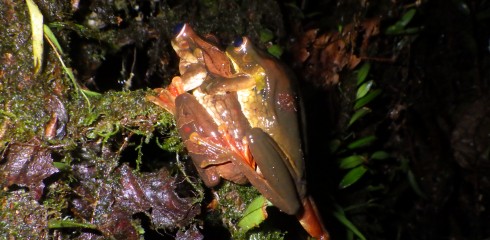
(351, 161)
(352, 176)
(365, 141)
(275, 50)
(254, 214)
(363, 72)
(62, 166)
(68, 72)
(366, 99)
(37, 34)
(415, 185)
(339, 214)
(358, 114)
(407, 17)
(265, 35)
(50, 35)
(55, 45)
(412, 30)
(69, 223)
(90, 93)
(340, 28)
(380, 155)
(400, 25)
(364, 89)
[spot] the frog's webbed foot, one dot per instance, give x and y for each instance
(165, 97)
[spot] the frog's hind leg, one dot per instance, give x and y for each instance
(272, 176)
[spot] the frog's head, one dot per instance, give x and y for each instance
(245, 58)
(184, 43)
(192, 48)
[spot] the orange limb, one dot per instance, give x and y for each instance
(166, 96)
(311, 221)
(243, 151)
(248, 155)
(176, 87)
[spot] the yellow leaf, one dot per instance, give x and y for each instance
(37, 34)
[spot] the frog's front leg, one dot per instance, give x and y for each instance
(219, 84)
(206, 145)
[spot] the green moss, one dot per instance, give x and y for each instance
(21, 217)
(57, 198)
(115, 112)
(172, 142)
(273, 235)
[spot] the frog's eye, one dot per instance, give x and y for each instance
(178, 29)
(239, 43)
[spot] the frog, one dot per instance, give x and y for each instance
(269, 99)
(270, 102)
(242, 113)
(209, 150)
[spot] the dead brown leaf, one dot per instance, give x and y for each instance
(324, 56)
(112, 201)
(191, 234)
(27, 165)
